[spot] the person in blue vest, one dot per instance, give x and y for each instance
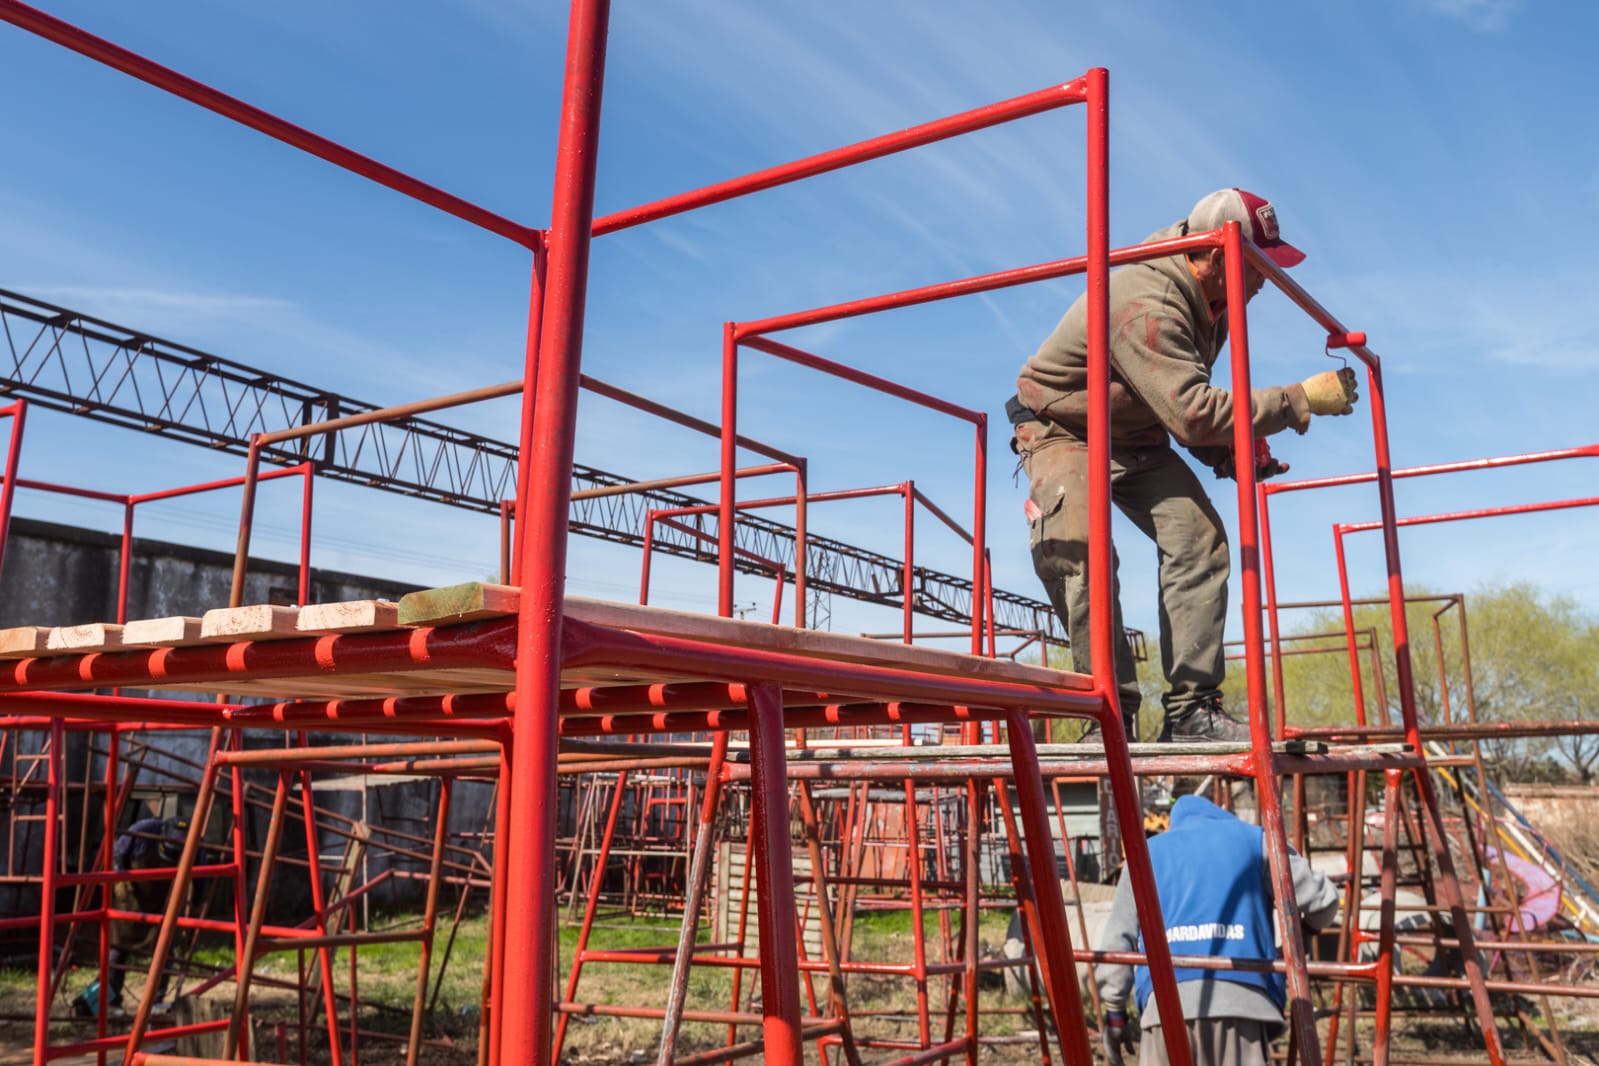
(1215, 896)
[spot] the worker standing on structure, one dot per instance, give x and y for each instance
(1215, 897)
(1168, 322)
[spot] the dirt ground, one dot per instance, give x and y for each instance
(884, 1007)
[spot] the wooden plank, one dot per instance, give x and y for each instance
(95, 636)
(260, 621)
(352, 616)
(23, 642)
(458, 603)
(815, 644)
(162, 632)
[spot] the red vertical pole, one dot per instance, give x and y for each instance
(1100, 575)
(591, 906)
(729, 482)
(1383, 993)
(553, 373)
(988, 604)
(524, 468)
(649, 552)
(1268, 792)
(699, 877)
(124, 560)
(1349, 626)
(775, 914)
(1054, 946)
(305, 535)
(979, 534)
(430, 918)
(1449, 884)
(1279, 700)
(47, 891)
(801, 564)
(499, 893)
(1101, 579)
(319, 910)
(17, 411)
(909, 576)
(913, 869)
(241, 862)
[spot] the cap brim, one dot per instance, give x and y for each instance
(1284, 255)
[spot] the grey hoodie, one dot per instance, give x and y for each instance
(1163, 343)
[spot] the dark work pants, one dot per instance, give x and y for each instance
(1160, 494)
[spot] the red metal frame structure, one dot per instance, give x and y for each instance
(1411, 732)
(744, 676)
(521, 1028)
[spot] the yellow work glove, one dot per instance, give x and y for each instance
(1331, 393)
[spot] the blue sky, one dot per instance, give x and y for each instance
(1431, 156)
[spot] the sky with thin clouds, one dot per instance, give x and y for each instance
(1430, 156)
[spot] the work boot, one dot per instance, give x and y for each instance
(1203, 721)
(1129, 724)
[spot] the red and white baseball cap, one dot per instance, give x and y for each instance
(1257, 217)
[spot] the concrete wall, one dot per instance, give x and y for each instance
(59, 575)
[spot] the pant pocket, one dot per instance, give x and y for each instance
(1049, 513)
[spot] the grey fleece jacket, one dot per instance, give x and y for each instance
(1163, 342)
(1318, 905)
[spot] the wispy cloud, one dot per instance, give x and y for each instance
(124, 305)
(1488, 16)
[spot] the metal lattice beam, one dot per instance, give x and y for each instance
(67, 361)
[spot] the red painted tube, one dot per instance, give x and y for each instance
(210, 486)
(1484, 512)
(524, 440)
(305, 534)
(1003, 279)
(1273, 631)
(859, 377)
(1587, 451)
(485, 644)
(698, 879)
(1448, 884)
(981, 605)
(18, 413)
(124, 561)
(47, 892)
(776, 915)
(1302, 1011)
(816, 717)
(591, 905)
(801, 551)
(908, 574)
(1101, 574)
(1055, 946)
(725, 515)
(940, 129)
(118, 58)
(600, 388)
(552, 381)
